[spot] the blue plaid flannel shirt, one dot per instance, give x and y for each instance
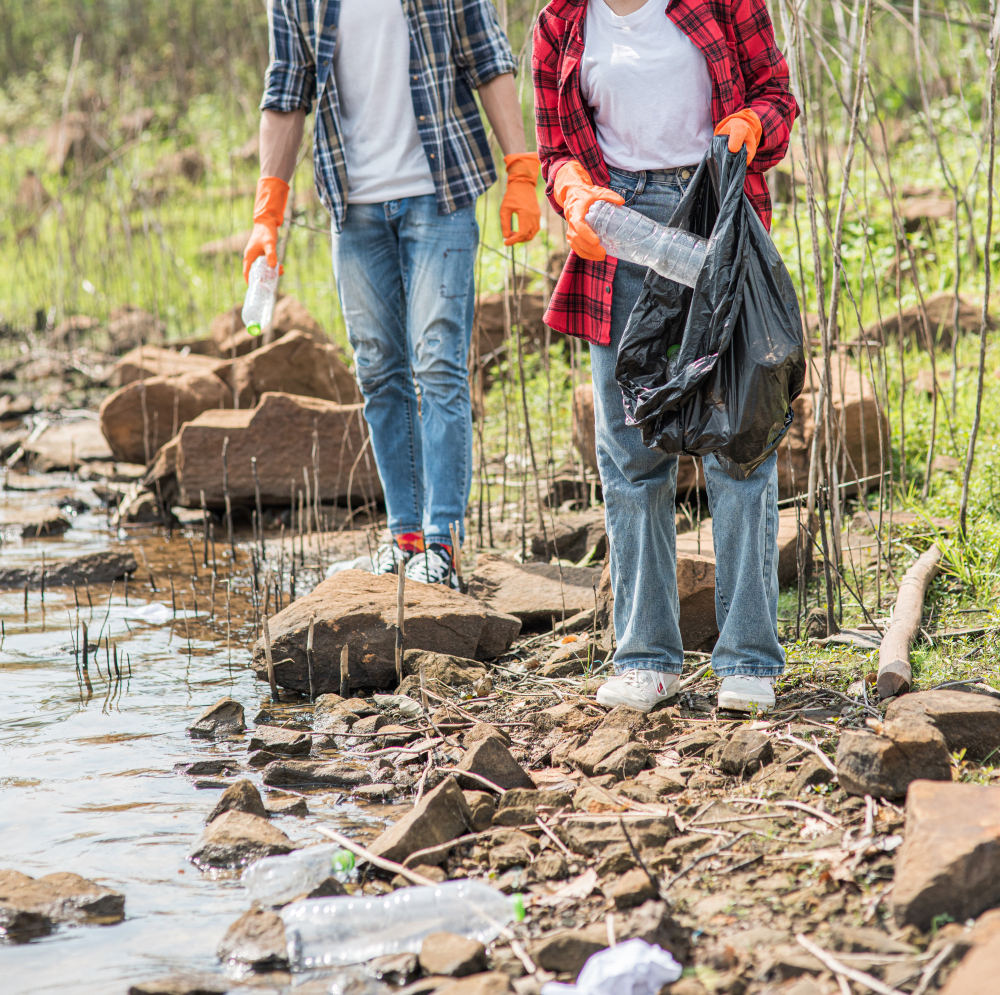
(455, 46)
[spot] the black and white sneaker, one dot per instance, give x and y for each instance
(388, 557)
(433, 566)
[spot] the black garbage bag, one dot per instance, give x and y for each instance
(741, 362)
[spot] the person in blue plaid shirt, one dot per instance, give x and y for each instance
(400, 155)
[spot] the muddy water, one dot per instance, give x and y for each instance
(87, 779)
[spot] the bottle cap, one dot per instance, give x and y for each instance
(342, 860)
(673, 350)
(518, 902)
(253, 328)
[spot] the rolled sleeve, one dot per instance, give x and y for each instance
(290, 82)
(481, 50)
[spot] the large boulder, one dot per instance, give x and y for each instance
(359, 609)
(969, 722)
(884, 766)
(139, 418)
(232, 339)
(148, 361)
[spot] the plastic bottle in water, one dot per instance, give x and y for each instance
(328, 932)
(626, 234)
(258, 305)
(275, 880)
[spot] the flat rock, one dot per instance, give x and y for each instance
(236, 839)
(239, 797)
(616, 729)
(746, 752)
(519, 806)
(441, 815)
(255, 940)
(280, 740)
(94, 568)
(224, 718)
(489, 758)
(949, 862)
(358, 609)
(885, 766)
(624, 762)
(67, 444)
(30, 904)
(183, 983)
(334, 774)
(454, 670)
(488, 983)
(969, 722)
(146, 362)
(34, 523)
(285, 805)
(533, 592)
(450, 954)
(594, 836)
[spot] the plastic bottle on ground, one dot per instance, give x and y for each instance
(327, 932)
(258, 305)
(627, 234)
(274, 880)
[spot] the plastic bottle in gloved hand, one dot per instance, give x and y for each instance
(627, 234)
(258, 304)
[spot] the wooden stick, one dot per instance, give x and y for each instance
(894, 673)
(386, 865)
(832, 964)
(400, 591)
(310, 660)
(270, 662)
(345, 682)
(204, 523)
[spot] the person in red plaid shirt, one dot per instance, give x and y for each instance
(628, 95)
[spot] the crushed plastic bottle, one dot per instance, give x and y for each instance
(275, 880)
(258, 305)
(634, 967)
(672, 353)
(330, 932)
(626, 234)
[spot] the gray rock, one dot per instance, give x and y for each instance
(550, 867)
(746, 752)
(618, 728)
(256, 940)
(94, 568)
(441, 815)
(624, 762)
(969, 722)
(490, 759)
(239, 797)
(275, 739)
(519, 806)
(453, 955)
(286, 805)
(236, 839)
(224, 718)
(885, 766)
(335, 774)
(207, 768)
(695, 744)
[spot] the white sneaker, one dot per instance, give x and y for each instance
(640, 689)
(743, 693)
(433, 566)
(389, 558)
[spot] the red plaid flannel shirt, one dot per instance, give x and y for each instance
(747, 70)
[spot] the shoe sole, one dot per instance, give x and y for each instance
(744, 703)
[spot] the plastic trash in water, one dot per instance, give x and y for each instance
(330, 932)
(634, 967)
(626, 234)
(359, 563)
(275, 880)
(154, 613)
(258, 305)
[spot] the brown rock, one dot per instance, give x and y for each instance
(969, 722)
(65, 445)
(940, 306)
(533, 592)
(550, 867)
(236, 839)
(454, 670)
(286, 805)
(572, 537)
(147, 362)
(630, 889)
(567, 950)
(33, 523)
(93, 568)
(255, 940)
(512, 849)
(29, 905)
(369, 724)
(481, 731)
(482, 806)
(519, 806)
(617, 729)
(489, 758)
(978, 970)
(594, 837)
(441, 815)
(359, 609)
(289, 315)
(696, 743)
(183, 983)
(490, 983)
(239, 797)
(224, 718)
(624, 762)
(336, 774)
(949, 862)
(276, 739)
(447, 953)
(394, 969)
(812, 771)
(169, 403)
(278, 432)
(746, 752)
(885, 766)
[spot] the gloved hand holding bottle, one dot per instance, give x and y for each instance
(575, 193)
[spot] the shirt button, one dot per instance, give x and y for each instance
(421, 118)
(432, 155)
(416, 77)
(607, 290)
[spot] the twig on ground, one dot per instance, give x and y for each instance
(386, 865)
(832, 964)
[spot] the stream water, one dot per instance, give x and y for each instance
(87, 778)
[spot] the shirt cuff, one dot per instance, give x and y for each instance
(288, 88)
(485, 71)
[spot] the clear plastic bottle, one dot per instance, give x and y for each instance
(258, 305)
(672, 353)
(275, 880)
(328, 932)
(626, 234)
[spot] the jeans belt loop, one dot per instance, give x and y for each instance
(641, 184)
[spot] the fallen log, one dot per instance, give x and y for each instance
(894, 674)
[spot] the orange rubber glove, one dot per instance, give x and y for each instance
(575, 192)
(268, 215)
(743, 128)
(520, 198)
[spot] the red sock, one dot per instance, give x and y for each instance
(410, 542)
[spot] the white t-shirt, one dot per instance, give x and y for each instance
(385, 159)
(649, 87)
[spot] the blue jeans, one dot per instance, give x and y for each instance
(639, 494)
(405, 279)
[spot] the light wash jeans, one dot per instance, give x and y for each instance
(405, 279)
(639, 488)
